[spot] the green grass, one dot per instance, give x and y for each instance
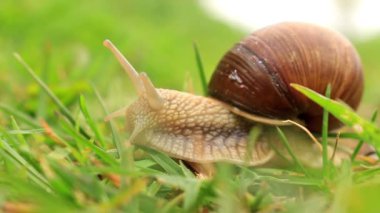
(74, 166)
(58, 155)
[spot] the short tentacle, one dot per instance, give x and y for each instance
(153, 97)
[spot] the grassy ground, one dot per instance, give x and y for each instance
(57, 154)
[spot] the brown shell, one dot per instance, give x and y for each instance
(255, 74)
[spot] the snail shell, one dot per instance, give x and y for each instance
(255, 75)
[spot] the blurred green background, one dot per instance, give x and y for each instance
(62, 41)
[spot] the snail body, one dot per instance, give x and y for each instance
(210, 133)
(207, 129)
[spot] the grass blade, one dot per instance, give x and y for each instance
(90, 121)
(168, 164)
(20, 137)
(19, 115)
(290, 151)
(26, 131)
(200, 69)
(50, 93)
(125, 196)
(103, 155)
(365, 129)
(361, 142)
(35, 175)
(192, 187)
(281, 176)
(115, 136)
(325, 130)
(69, 144)
(253, 135)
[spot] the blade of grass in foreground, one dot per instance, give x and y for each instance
(115, 136)
(90, 121)
(36, 176)
(195, 189)
(19, 115)
(81, 140)
(254, 134)
(168, 164)
(26, 131)
(361, 142)
(50, 93)
(325, 130)
(290, 151)
(282, 176)
(365, 129)
(20, 137)
(200, 69)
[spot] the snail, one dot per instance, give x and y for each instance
(248, 90)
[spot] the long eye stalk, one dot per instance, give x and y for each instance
(141, 82)
(128, 68)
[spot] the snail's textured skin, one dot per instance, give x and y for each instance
(255, 75)
(194, 128)
(202, 130)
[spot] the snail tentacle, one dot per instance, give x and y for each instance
(154, 99)
(128, 68)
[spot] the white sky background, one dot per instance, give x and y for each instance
(360, 18)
